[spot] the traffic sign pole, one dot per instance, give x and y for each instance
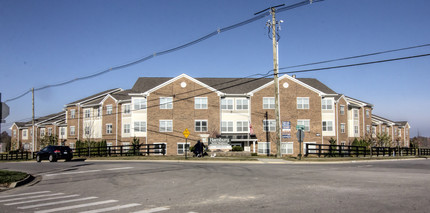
(186, 133)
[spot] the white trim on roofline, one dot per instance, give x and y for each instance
(90, 99)
(320, 93)
(105, 98)
(179, 77)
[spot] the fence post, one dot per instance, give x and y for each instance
(147, 149)
(164, 149)
(120, 151)
(319, 150)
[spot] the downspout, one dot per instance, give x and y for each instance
(364, 124)
(79, 116)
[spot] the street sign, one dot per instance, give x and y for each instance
(300, 135)
(302, 127)
(186, 133)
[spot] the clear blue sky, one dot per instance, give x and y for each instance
(51, 41)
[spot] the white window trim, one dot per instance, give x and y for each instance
(242, 122)
(286, 148)
(142, 125)
(266, 151)
(303, 104)
(195, 127)
(166, 130)
(324, 105)
(200, 104)
(140, 103)
(184, 147)
(344, 126)
(166, 102)
(300, 120)
(269, 121)
(269, 104)
(342, 112)
(224, 102)
(109, 109)
(126, 109)
(242, 101)
(227, 126)
(124, 128)
(107, 128)
(74, 130)
(327, 126)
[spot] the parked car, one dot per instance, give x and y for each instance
(53, 153)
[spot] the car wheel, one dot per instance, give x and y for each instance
(52, 158)
(68, 159)
(38, 159)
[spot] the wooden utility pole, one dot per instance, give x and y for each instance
(32, 122)
(276, 81)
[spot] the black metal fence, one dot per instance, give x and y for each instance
(327, 150)
(17, 156)
(125, 150)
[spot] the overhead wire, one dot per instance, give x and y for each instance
(216, 32)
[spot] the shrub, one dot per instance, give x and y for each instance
(237, 149)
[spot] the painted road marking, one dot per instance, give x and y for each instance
(24, 198)
(120, 168)
(158, 209)
(29, 193)
(37, 200)
(114, 208)
(71, 173)
(76, 206)
(55, 203)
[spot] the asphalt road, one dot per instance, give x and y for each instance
(99, 186)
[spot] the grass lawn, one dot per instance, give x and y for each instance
(11, 176)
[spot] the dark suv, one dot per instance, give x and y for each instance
(53, 153)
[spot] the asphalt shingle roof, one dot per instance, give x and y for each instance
(93, 96)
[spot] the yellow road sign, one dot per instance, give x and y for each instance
(186, 133)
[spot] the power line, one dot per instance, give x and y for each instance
(357, 64)
(188, 44)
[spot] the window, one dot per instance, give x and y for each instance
(287, 148)
(109, 144)
(368, 129)
(241, 103)
(182, 147)
(263, 147)
(355, 129)
(139, 103)
(87, 113)
(166, 103)
(158, 148)
(72, 130)
(269, 125)
(327, 126)
(72, 113)
(302, 103)
(383, 129)
(327, 103)
(227, 126)
(342, 128)
(87, 130)
(14, 133)
(355, 113)
(166, 126)
(400, 133)
(108, 109)
(108, 128)
(305, 123)
(62, 131)
(367, 113)
(139, 126)
(99, 112)
(342, 109)
(388, 130)
(42, 132)
(126, 128)
(227, 103)
(201, 103)
(201, 125)
(24, 133)
(126, 108)
(49, 131)
(269, 103)
(373, 129)
(242, 126)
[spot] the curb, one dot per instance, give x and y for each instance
(26, 180)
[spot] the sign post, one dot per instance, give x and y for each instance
(300, 137)
(186, 133)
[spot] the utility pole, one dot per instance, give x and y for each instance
(275, 76)
(32, 120)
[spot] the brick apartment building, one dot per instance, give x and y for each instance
(158, 110)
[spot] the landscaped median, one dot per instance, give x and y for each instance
(9, 179)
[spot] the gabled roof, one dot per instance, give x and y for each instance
(402, 124)
(315, 83)
(358, 102)
(383, 120)
(89, 98)
(227, 85)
